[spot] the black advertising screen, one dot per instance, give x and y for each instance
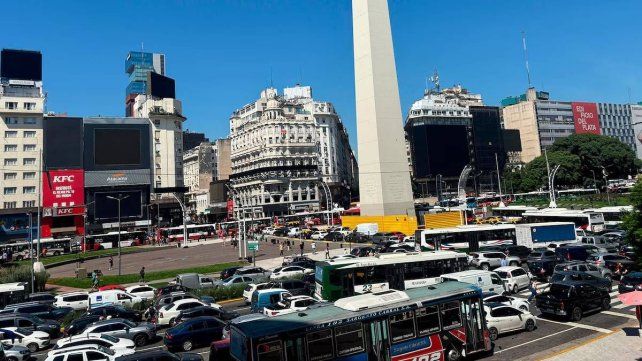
(160, 86)
(21, 64)
(63, 148)
(116, 147)
(130, 204)
(439, 149)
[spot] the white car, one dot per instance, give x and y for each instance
(107, 341)
(76, 300)
(515, 278)
(289, 271)
(501, 319)
(250, 288)
(167, 313)
(87, 352)
(268, 231)
(289, 305)
(318, 235)
(145, 292)
(519, 303)
(409, 239)
(342, 256)
(33, 340)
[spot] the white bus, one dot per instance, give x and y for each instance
(612, 215)
(470, 237)
(588, 221)
(194, 232)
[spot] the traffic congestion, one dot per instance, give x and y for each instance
(389, 292)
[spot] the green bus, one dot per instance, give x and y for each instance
(336, 279)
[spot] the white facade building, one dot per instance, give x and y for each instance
(166, 120)
(199, 167)
(636, 124)
(22, 105)
(615, 121)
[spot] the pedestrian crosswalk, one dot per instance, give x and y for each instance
(616, 304)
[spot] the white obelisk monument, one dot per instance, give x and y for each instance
(384, 177)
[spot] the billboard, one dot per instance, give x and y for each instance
(116, 144)
(117, 178)
(160, 86)
(21, 64)
(62, 143)
(429, 143)
(127, 152)
(585, 118)
(63, 188)
(131, 204)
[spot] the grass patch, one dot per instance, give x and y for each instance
(93, 254)
(132, 278)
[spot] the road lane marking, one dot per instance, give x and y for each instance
(580, 325)
(619, 314)
(619, 305)
(531, 341)
(613, 294)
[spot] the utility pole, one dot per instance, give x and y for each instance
(119, 198)
(184, 210)
(33, 276)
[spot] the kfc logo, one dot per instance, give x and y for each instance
(63, 178)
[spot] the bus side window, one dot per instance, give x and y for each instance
(294, 349)
(349, 339)
(269, 351)
(450, 315)
(427, 320)
(402, 326)
(320, 345)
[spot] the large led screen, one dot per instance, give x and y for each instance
(130, 204)
(21, 65)
(117, 147)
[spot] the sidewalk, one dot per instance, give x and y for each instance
(622, 344)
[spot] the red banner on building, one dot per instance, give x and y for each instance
(586, 118)
(63, 189)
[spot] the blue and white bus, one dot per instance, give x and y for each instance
(440, 322)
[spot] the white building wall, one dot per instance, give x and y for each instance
(636, 122)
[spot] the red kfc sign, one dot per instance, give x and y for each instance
(63, 188)
(586, 118)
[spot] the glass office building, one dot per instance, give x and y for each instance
(137, 65)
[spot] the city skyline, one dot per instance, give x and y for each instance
(571, 57)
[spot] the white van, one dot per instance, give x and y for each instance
(486, 280)
(367, 229)
(112, 297)
(76, 300)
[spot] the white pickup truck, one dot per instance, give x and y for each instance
(289, 305)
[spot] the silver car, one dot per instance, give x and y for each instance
(253, 272)
(141, 333)
(234, 280)
(488, 260)
(586, 267)
(16, 353)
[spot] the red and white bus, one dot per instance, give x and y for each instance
(194, 232)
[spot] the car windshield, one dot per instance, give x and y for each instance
(278, 269)
(502, 274)
(37, 319)
(556, 277)
(106, 350)
(24, 331)
(109, 338)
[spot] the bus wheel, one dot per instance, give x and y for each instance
(56, 253)
(453, 355)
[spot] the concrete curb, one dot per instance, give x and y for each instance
(230, 301)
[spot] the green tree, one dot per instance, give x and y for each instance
(597, 151)
(632, 222)
(535, 175)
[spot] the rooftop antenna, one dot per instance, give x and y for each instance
(271, 82)
(528, 70)
(629, 90)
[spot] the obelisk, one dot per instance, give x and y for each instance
(384, 176)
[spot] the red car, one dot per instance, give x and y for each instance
(398, 234)
(111, 287)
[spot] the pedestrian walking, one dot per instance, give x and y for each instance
(142, 274)
(327, 250)
(301, 247)
(111, 262)
(280, 249)
(533, 288)
(503, 262)
(314, 248)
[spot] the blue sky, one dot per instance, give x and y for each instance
(221, 52)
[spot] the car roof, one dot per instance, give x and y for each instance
(81, 337)
(109, 321)
(75, 348)
(185, 300)
(493, 305)
(73, 293)
(507, 268)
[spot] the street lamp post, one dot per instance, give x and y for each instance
(184, 210)
(84, 227)
(499, 183)
(119, 198)
(33, 276)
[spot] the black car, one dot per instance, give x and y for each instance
(115, 311)
(281, 232)
(39, 309)
(630, 282)
(541, 263)
(572, 253)
(582, 277)
(30, 322)
(572, 300)
(78, 325)
(171, 288)
(229, 272)
(219, 313)
(620, 267)
(306, 263)
(43, 297)
(160, 355)
(291, 260)
(355, 237)
(627, 251)
(364, 251)
(334, 237)
(295, 287)
(193, 333)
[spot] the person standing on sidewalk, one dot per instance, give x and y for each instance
(111, 262)
(327, 250)
(301, 247)
(280, 248)
(142, 274)
(314, 247)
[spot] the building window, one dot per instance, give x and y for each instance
(10, 161)
(28, 203)
(9, 176)
(29, 190)
(9, 120)
(29, 134)
(28, 175)
(11, 105)
(29, 106)
(9, 190)
(29, 147)
(10, 147)
(9, 205)
(10, 134)
(30, 120)
(29, 161)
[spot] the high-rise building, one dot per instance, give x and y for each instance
(22, 105)
(541, 121)
(137, 65)
(282, 147)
